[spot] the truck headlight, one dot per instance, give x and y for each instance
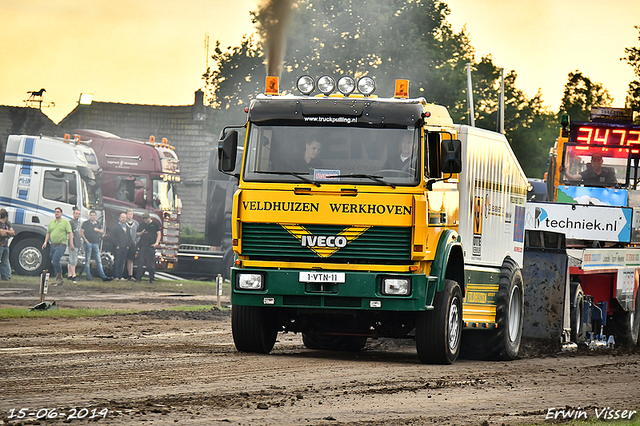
(249, 281)
(396, 286)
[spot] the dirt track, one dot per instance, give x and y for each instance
(166, 367)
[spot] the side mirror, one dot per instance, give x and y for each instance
(227, 149)
(451, 156)
(73, 200)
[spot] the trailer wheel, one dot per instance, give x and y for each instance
(438, 332)
(503, 342)
(334, 343)
(252, 331)
(28, 258)
(626, 326)
(578, 326)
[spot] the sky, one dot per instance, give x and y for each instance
(153, 51)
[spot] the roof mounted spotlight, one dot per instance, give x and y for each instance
(326, 85)
(306, 85)
(366, 85)
(346, 85)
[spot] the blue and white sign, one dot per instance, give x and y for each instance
(582, 222)
(592, 196)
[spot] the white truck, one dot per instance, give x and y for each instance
(41, 173)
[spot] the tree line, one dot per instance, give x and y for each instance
(389, 39)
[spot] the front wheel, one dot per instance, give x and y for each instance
(438, 332)
(252, 331)
(28, 258)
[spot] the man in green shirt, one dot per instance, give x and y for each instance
(58, 233)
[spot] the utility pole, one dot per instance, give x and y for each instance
(472, 117)
(501, 129)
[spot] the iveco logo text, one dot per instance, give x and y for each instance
(323, 241)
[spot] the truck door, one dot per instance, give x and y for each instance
(59, 189)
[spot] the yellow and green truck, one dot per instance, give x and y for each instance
(361, 217)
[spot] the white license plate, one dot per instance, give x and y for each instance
(321, 277)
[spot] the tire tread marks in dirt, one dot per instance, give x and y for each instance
(334, 343)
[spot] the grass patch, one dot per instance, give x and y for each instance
(195, 308)
(116, 286)
(8, 313)
(593, 420)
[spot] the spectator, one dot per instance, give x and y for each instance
(6, 231)
(73, 252)
(149, 233)
(132, 226)
(122, 194)
(122, 242)
(92, 233)
(58, 233)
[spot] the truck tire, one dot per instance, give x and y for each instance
(108, 261)
(576, 314)
(626, 326)
(251, 329)
(334, 343)
(28, 258)
(502, 342)
(438, 332)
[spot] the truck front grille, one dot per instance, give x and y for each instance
(377, 244)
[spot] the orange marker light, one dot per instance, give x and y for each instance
(271, 86)
(402, 89)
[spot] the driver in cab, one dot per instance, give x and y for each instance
(595, 174)
(403, 161)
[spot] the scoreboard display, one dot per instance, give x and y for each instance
(611, 135)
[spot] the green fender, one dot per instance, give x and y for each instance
(449, 260)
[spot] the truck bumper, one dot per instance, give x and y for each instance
(359, 291)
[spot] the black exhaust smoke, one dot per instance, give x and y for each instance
(276, 13)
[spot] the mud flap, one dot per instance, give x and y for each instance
(545, 273)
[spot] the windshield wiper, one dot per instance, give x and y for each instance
(296, 174)
(363, 176)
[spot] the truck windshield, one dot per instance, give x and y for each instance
(165, 195)
(326, 155)
(595, 166)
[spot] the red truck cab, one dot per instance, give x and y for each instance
(141, 176)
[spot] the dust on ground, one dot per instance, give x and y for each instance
(174, 367)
